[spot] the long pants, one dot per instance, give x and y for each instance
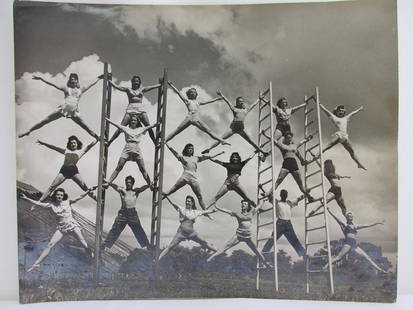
(284, 227)
(126, 217)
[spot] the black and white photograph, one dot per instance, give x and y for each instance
(207, 151)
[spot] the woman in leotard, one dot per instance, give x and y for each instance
(340, 120)
(66, 224)
(350, 240)
(237, 126)
(135, 106)
(282, 114)
(73, 153)
(290, 152)
(132, 151)
(234, 168)
(189, 176)
(70, 108)
(193, 117)
(186, 231)
(335, 190)
(243, 232)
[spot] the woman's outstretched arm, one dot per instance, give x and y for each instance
(120, 88)
(298, 107)
(205, 157)
(48, 83)
(72, 201)
(224, 210)
(91, 85)
(88, 148)
(370, 225)
(177, 91)
(34, 202)
(149, 88)
(355, 112)
(51, 146)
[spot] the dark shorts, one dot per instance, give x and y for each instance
(336, 190)
(69, 171)
(237, 126)
(283, 128)
(290, 164)
(350, 241)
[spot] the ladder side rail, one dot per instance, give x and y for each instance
(330, 267)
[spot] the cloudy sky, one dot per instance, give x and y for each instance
(347, 49)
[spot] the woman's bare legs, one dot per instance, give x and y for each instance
(249, 140)
(240, 191)
(225, 136)
(185, 123)
(231, 243)
(277, 134)
(331, 144)
(222, 191)
(119, 167)
(347, 145)
(341, 204)
(204, 127)
(141, 166)
(79, 181)
(78, 120)
(297, 177)
(124, 122)
(144, 119)
(78, 234)
(197, 191)
(175, 241)
(344, 250)
(361, 252)
(57, 236)
(50, 118)
(252, 246)
(204, 243)
(180, 183)
(56, 182)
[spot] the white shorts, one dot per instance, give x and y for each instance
(68, 110)
(341, 136)
(188, 178)
(131, 152)
(135, 108)
(67, 225)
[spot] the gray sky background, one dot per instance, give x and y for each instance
(347, 49)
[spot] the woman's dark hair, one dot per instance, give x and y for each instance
(53, 197)
(136, 77)
(249, 204)
(193, 201)
(338, 108)
(79, 143)
(280, 100)
(288, 133)
(329, 167)
(240, 97)
(139, 124)
(235, 154)
(186, 148)
(129, 177)
(194, 89)
(70, 77)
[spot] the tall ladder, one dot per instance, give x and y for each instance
(316, 223)
(103, 163)
(158, 170)
(266, 180)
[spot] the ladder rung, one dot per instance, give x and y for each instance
(269, 252)
(265, 117)
(316, 270)
(262, 239)
(315, 214)
(264, 210)
(265, 93)
(312, 148)
(316, 228)
(313, 133)
(312, 174)
(266, 224)
(309, 111)
(264, 144)
(310, 98)
(263, 170)
(314, 186)
(266, 182)
(264, 267)
(269, 127)
(265, 104)
(317, 256)
(317, 242)
(308, 124)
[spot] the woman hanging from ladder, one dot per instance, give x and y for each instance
(135, 106)
(132, 151)
(193, 117)
(237, 126)
(70, 108)
(73, 153)
(282, 114)
(350, 240)
(186, 231)
(189, 176)
(234, 168)
(66, 224)
(290, 152)
(340, 120)
(335, 190)
(243, 232)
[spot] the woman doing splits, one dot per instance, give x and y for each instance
(73, 153)
(193, 117)
(283, 114)
(289, 152)
(187, 217)
(234, 168)
(189, 176)
(135, 106)
(132, 151)
(70, 108)
(237, 126)
(243, 232)
(66, 224)
(335, 190)
(340, 120)
(350, 241)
